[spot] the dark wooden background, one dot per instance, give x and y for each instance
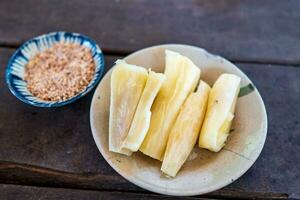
(50, 153)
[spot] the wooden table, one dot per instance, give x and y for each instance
(50, 153)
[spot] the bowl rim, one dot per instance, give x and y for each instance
(150, 187)
(54, 103)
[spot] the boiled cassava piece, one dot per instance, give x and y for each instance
(127, 85)
(141, 120)
(220, 112)
(185, 131)
(182, 76)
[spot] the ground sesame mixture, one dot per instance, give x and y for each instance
(60, 72)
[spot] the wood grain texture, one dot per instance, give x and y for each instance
(13, 192)
(257, 31)
(60, 139)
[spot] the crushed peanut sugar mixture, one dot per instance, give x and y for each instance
(60, 72)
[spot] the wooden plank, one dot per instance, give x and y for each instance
(12, 192)
(22, 174)
(60, 139)
(257, 31)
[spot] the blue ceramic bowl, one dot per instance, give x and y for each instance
(16, 66)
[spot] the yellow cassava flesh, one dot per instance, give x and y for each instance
(142, 116)
(220, 112)
(181, 79)
(127, 84)
(185, 131)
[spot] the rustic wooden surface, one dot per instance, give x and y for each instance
(55, 148)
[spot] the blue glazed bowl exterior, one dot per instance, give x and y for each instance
(16, 66)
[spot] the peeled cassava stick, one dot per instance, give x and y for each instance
(185, 131)
(142, 116)
(127, 85)
(220, 112)
(181, 79)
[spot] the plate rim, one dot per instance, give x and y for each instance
(147, 186)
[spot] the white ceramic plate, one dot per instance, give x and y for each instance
(204, 171)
